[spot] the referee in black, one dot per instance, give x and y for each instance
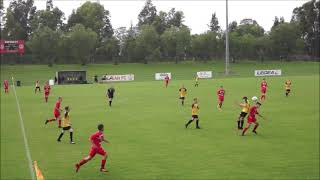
(110, 94)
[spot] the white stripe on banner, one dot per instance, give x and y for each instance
(23, 131)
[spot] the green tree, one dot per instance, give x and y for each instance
(94, 16)
(214, 24)
(110, 48)
(175, 42)
(129, 46)
(17, 19)
(276, 22)
(147, 43)
(233, 26)
(285, 40)
(51, 18)
(169, 42)
(44, 43)
(81, 42)
(207, 45)
(308, 19)
(250, 26)
(49, 5)
(161, 22)
(183, 42)
(175, 18)
(147, 14)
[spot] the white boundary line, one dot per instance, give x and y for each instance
(26, 146)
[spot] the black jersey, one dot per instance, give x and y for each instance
(110, 92)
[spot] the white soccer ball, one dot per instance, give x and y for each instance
(254, 98)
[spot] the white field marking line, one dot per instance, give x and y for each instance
(26, 146)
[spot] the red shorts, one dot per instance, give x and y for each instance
(221, 98)
(264, 90)
(251, 119)
(6, 87)
(46, 94)
(99, 150)
(56, 114)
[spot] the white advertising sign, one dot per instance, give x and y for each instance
(51, 82)
(112, 78)
(161, 76)
(274, 72)
(204, 74)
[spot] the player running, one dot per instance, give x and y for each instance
(56, 112)
(166, 80)
(287, 85)
(245, 109)
(263, 88)
(46, 90)
(96, 148)
(197, 81)
(6, 86)
(194, 113)
(252, 118)
(220, 92)
(110, 94)
(37, 87)
(183, 93)
(66, 125)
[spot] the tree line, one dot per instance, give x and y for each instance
(88, 36)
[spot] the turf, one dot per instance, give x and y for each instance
(146, 125)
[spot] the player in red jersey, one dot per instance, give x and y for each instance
(46, 89)
(166, 80)
(56, 113)
(252, 118)
(96, 148)
(220, 92)
(6, 86)
(263, 88)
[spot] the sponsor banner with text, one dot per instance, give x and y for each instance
(273, 72)
(112, 78)
(204, 74)
(161, 76)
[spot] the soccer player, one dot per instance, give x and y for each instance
(263, 88)
(46, 89)
(287, 85)
(183, 93)
(197, 83)
(6, 86)
(96, 148)
(110, 93)
(195, 113)
(245, 109)
(166, 80)
(66, 125)
(37, 87)
(220, 92)
(252, 118)
(56, 113)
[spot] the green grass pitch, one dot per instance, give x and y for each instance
(146, 124)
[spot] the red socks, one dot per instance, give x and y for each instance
(103, 163)
(59, 122)
(52, 119)
(255, 127)
(82, 162)
(244, 131)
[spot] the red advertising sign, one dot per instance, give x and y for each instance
(14, 46)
